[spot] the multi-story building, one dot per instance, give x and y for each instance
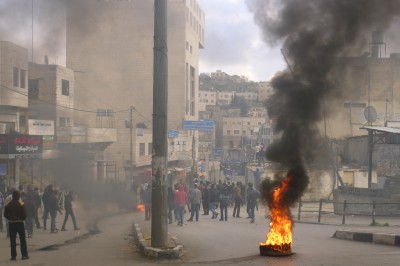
(264, 91)
(111, 44)
(364, 82)
(219, 74)
(207, 98)
(51, 100)
(13, 112)
(13, 87)
(241, 131)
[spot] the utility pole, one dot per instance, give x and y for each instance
(159, 222)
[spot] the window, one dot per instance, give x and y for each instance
(244, 132)
(33, 89)
(150, 148)
(236, 132)
(64, 121)
(22, 121)
(142, 149)
(15, 76)
(23, 79)
(65, 87)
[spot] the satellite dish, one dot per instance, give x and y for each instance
(370, 114)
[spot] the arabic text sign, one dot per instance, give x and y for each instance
(206, 125)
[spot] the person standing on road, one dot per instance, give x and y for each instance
(214, 199)
(181, 200)
(46, 201)
(195, 201)
(252, 196)
(53, 208)
(223, 202)
(69, 211)
(206, 199)
(29, 201)
(38, 204)
(171, 203)
(1, 211)
(147, 203)
(15, 213)
(237, 197)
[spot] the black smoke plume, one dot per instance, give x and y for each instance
(314, 33)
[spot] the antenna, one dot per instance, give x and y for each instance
(32, 32)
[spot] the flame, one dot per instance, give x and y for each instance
(279, 237)
(140, 207)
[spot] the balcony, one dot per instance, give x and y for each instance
(78, 134)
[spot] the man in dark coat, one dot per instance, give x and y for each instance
(147, 197)
(15, 213)
(69, 211)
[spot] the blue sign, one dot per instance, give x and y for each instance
(217, 152)
(206, 125)
(173, 133)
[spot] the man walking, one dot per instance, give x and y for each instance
(69, 211)
(237, 197)
(195, 200)
(15, 213)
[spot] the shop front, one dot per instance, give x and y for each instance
(18, 152)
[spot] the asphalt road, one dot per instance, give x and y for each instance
(211, 242)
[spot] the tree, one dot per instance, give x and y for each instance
(239, 102)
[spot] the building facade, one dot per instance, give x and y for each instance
(111, 44)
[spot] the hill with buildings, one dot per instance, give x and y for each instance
(220, 81)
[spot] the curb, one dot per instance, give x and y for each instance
(376, 238)
(146, 250)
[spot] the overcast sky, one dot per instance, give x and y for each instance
(233, 42)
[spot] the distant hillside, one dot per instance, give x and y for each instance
(229, 83)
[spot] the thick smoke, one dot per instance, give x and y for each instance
(314, 34)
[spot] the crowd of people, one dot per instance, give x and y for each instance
(20, 208)
(214, 198)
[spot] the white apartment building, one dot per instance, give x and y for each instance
(235, 129)
(50, 84)
(13, 87)
(111, 44)
(264, 90)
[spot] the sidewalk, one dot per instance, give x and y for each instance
(43, 240)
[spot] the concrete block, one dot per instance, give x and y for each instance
(363, 237)
(386, 239)
(342, 234)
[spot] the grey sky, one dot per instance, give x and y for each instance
(233, 42)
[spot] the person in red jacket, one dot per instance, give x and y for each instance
(181, 199)
(15, 213)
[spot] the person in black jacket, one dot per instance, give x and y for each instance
(15, 213)
(69, 211)
(214, 199)
(171, 204)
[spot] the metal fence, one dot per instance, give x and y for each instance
(336, 212)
